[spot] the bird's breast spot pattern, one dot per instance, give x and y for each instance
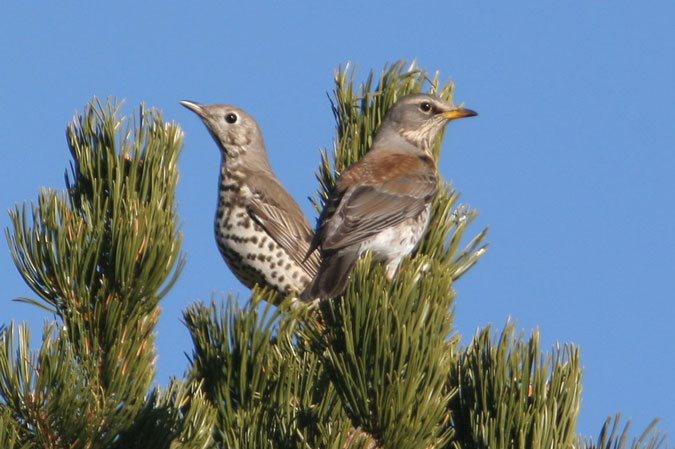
(252, 255)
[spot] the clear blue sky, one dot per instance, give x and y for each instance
(571, 160)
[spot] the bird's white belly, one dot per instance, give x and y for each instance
(394, 243)
(391, 243)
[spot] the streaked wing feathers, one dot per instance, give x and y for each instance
(401, 190)
(283, 220)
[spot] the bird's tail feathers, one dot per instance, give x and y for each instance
(331, 279)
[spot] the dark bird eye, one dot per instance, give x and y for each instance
(425, 107)
(231, 118)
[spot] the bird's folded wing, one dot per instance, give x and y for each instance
(365, 210)
(283, 220)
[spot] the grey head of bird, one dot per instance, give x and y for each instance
(235, 131)
(413, 122)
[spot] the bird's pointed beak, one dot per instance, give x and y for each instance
(458, 113)
(195, 107)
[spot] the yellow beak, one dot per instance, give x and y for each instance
(458, 113)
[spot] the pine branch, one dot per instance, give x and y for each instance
(115, 226)
(386, 349)
(511, 396)
(268, 388)
(178, 417)
(50, 396)
(610, 438)
(100, 255)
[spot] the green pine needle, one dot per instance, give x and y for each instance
(610, 438)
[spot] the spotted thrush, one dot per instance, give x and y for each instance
(260, 230)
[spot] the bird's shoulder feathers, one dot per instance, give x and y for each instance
(382, 166)
(376, 193)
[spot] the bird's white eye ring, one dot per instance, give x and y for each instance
(231, 118)
(425, 107)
